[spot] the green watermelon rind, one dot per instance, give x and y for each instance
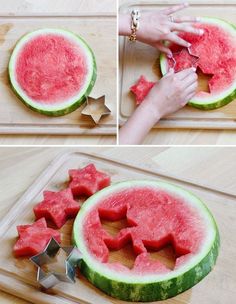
(64, 107)
(146, 289)
(215, 102)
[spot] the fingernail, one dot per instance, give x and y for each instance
(201, 31)
(169, 55)
(189, 44)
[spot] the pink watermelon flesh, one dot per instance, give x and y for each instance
(88, 180)
(183, 60)
(216, 51)
(33, 238)
(51, 68)
(57, 207)
(155, 219)
(141, 89)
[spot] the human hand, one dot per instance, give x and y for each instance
(156, 26)
(168, 95)
(171, 93)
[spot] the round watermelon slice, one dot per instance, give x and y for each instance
(157, 214)
(52, 71)
(214, 54)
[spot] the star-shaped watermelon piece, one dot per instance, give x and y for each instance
(88, 180)
(57, 207)
(141, 88)
(184, 60)
(34, 238)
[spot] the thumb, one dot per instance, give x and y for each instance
(170, 72)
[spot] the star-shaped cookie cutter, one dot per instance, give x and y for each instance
(190, 53)
(48, 279)
(96, 108)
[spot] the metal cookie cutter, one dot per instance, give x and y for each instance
(190, 53)
(96, 108)
(49, 278)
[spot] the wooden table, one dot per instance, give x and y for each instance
(189, 163)
(58, 8)
(186, 136)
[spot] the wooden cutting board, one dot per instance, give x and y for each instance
(139, 59)
(17, 276)
(100, 33)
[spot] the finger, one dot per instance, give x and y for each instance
(176, 39)
(170, 72)
(190, 96)
(190, 19)
(191, 88)
(190, 79)
(175, 8)
(186, 28)
(184, 73)
(164, 49)
(186, 100)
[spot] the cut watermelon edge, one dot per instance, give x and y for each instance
(74, 102)
(217, 100)
(147, 287)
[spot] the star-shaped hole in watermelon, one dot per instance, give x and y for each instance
(88, 180)
(161, 236)
(203, 81)
(126, 254)
(134, 252)
(164, 257)
(57, 207)
(33, 238)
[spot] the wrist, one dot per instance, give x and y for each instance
(124, 24)
(149, 112)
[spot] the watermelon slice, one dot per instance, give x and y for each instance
(52, 71)
(34, 238)
(157, 214)
(141, 89)
(216, 53)
(88, 180)
(57, 207)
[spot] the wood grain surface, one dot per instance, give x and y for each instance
(142, 59)
(96, 22)
(187, 164)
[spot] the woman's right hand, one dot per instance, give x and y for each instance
(171, 93)
(167, 96)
